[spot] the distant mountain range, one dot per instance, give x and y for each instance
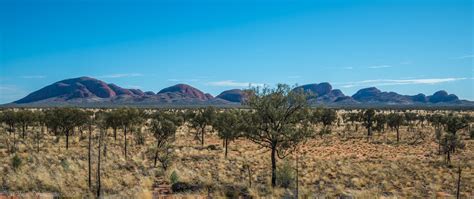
(86, 91)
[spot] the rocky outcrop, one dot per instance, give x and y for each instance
(185, 90)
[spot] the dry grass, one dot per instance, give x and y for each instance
(331, 166)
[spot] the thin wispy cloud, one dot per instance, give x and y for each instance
(348, 68)
(6, 88)
(391, 82)
(33, 76)
(232, 83)
(379, 66)
(121, 75)
(10, 93)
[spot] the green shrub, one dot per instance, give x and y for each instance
(236, 191)
(285, 175)
(16, 162)
(174, 178)
(471, 134)
(139, 137)
(65, 164)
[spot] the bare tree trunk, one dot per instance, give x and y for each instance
(250, 175)
(98, 167)
(14, 142)
(89, 158)
(297, 173)
(67, 140)
(203, 130)
(458, 193)
(398, 135)
(273, 154)
(439, 147)
(369, 133)
(37, 141)
(125, 133)
(115, 134)
(226, 145)
(156, 153)
(105, 149)
(449, 157)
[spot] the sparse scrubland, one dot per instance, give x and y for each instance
(277, 147)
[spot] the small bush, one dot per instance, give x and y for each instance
(16, 162)
(471, 134)
(285, 175)
(212, 147)
(185, 187)
(174, 178)
(236, 191)
(65, 164)
(139, 137)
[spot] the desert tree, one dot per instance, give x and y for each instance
(163, 126)
(278, 120)
(67, 119)
(394, 121)
(451, 140)
(9, 118)
(421, 120)
(368, 121)
(201, 119)
(113, 120)
(410, 119)
(229, 126)
(326, 117)
(25, 118)
(39, 120)
(102, 131)
(437, 120)
(354, 117)
(129, 119)
(51, 121)
(90, 120)
(380, 121)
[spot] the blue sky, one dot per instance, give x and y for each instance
(410, 47)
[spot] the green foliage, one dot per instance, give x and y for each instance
(368, 118)
(380, 121)
(368, 121)
(471, 134)
(410, 117)
(201, 119)
(451, 140)
(174, 178)
(9, 117)
(436, 120)
(229, 126)
(163, 126)
(65, 164)
(285, 175)
(139, 136)
(324, 116)
(229, 123)
(166, 156)
(278, 120)
(16, 162)
(394, 120)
